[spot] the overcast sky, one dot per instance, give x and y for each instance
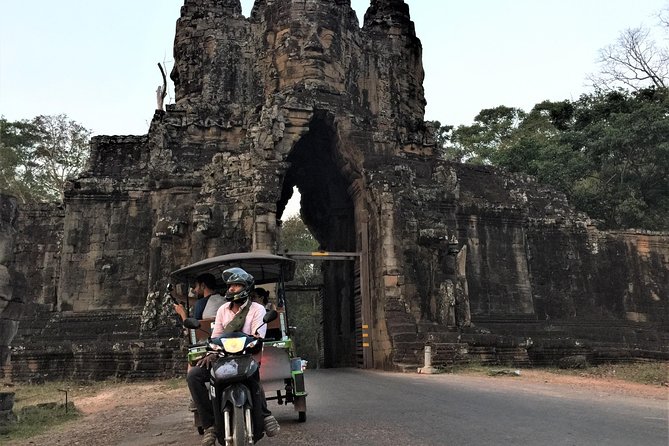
(96, 60)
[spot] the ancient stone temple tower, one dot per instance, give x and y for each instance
(300, 95)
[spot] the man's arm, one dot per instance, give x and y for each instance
(257, 312)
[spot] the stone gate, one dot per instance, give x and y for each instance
(474, 261)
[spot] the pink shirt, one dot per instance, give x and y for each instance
(253, 319)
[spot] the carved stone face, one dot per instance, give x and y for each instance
(305, 52)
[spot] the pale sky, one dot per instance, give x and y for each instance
(95, 60)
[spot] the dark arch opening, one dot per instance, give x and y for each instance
(326, 209)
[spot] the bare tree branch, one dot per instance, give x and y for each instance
(663, 17)
(634, 61)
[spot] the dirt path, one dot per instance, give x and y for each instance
(158, 414)
(121, 411)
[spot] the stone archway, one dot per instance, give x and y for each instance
(327, 209)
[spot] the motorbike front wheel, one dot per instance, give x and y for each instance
(240, 436)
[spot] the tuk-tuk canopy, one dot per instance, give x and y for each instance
(264, 267)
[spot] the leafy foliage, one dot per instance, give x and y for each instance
(16, 173)
(608, 151)
(296, 237)
(37, 156)
(442, 139)
(303, 306)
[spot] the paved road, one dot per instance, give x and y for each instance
(350, 407)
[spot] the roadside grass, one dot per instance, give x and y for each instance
(40, 407)
(36, 419)
(650, 373)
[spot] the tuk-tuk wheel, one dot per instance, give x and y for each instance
(301, 417)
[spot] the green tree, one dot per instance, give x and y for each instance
(295, 236)
(442, 138)
(303, 306)
(490, 131)
(608, 151)
(625, 138)
(17, 178)
(37, 156)
(534, 146)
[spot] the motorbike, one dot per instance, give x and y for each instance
(229, 388)
(282, 370)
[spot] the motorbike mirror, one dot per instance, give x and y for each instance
(270, 316)
(191, 322)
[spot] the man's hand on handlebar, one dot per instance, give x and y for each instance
(207, 361)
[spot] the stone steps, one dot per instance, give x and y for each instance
(547, 346)
(50, 327)
(99, 360)
(92, 345)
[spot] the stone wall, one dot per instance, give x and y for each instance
(38, 253)
(617, 275)
(104, 254)
(538, 274)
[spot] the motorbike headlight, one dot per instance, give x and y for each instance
(233, 345)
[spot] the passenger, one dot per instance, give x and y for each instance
(207, 303)
(206, 287)
(208, 300)
(261, 296)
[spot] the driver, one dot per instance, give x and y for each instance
(238, 314)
